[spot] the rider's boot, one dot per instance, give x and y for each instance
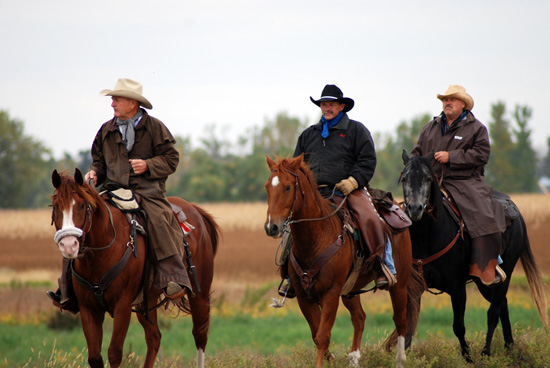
(173, 277)
(484, 259)
(64, 297)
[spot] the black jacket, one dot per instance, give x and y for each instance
(348, 150)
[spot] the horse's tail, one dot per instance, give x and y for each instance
(534, 279)
(415, 288)
(212, 227)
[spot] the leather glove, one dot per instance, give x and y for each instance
(347, 186)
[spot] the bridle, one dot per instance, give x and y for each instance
(289, 220)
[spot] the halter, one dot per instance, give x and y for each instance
(289, 220)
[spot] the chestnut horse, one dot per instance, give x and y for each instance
(95, 236)
(293, 198)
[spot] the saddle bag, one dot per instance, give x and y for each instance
(390, 211)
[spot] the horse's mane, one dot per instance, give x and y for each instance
(324, 204)
(68, 186)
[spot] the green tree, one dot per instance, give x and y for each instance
(545, 162)
(278, 137)
(500, 169)
(389, 163)
(25, 165)
(524, 160)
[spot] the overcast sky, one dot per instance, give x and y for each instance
(236, 63)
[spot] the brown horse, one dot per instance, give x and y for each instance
(95, 236)
(293, 198)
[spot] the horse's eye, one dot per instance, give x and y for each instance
(287, 188)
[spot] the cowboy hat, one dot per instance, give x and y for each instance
(458, 92)
(128, 88)
(333, 93)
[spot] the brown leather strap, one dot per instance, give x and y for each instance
(421, 262)
(308, 277)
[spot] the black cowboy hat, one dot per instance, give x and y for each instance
(333, 93)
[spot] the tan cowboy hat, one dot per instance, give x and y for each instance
(458, 92)
(128, 88)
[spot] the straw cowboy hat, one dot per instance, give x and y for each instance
(333, 93)
(128, 88)
(458, 92)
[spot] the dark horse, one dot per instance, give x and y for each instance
(443, 254)
(323, 256)
(96, 236)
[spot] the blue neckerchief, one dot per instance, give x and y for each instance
(445, 127)
(330, 123)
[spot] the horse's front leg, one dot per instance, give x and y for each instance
(329, 307)
(121, 321)
(458, 301)
(92, 325)
(358, 321)
(152, 333)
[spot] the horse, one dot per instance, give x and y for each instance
(324, 250)
(441, 250)
(109, 268)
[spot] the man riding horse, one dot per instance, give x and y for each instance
(341, 154)
(135, 150)
(461, 148)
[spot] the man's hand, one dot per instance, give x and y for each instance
(91, 175)
(139, 166)
(347, 186)
(442, 157)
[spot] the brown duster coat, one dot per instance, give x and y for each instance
(463, 176)
(155, 144)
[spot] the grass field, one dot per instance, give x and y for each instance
(245, 332)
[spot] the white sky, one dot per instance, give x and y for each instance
(236, 63)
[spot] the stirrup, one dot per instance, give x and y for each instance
(387, 279)
(500, 276)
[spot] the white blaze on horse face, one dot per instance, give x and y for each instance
(67, 237)
(275, 181)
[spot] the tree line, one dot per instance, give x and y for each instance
(219, 170)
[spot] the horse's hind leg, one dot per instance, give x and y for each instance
(200, 313)
(152, 335)
(358, 321)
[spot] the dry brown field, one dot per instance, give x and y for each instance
(245, 257)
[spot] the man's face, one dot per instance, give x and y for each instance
(124, 108)
(452, 107)
(330, 109)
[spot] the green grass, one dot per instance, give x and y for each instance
(241, 340)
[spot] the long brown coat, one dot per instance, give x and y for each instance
(463, 176)
(155, 144)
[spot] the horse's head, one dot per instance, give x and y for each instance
(284, 195)
(419, 184)
(73, 205)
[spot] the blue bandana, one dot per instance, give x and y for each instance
(330, 123)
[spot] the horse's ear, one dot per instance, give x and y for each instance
(297, 162)
(405, 157)
(78, 178)
(270, 163)
(56, 179)
(431, 156)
